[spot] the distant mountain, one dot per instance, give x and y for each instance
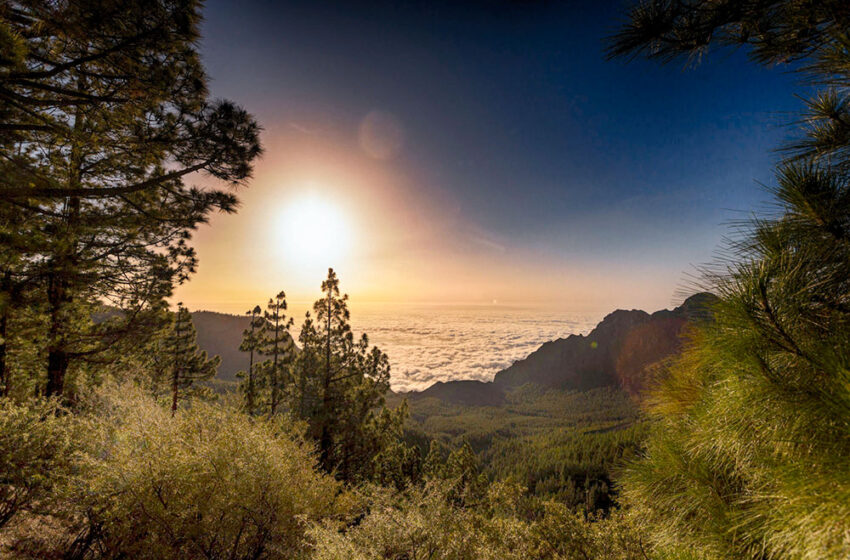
(220, 334)
(618, 352)
(467, 392)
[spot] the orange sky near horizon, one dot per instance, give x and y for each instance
(322, 196)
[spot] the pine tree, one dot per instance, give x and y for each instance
(305, 388)
(339, 389)
(250, 343)
(749, 453)
(188, 364)
(104, 112)
(276, 344)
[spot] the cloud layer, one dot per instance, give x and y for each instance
(427, 344)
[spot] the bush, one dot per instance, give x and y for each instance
(207, 483)
(36, 452)
(428, 523)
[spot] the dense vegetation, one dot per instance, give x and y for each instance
(111, 448)
(750, 448)
(559, 445)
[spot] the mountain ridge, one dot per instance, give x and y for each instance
(619, 351)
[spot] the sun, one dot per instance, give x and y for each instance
(314, 234)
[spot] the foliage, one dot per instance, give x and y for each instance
(251, 344)
(213, 482)
(185, 364)
(207, 483)
(37, 448)
(395, 463)
(778, 32)
(104, 113)
(748, 456)
(275, 342)
(427, 523)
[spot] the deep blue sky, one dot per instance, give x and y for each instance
(513, 110)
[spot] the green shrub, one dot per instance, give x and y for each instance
(428, 523)
(208, 483)
(36, 453)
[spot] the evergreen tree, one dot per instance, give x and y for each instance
(104, 112)
(188, 364)
(340, 386)
(250, 343)
(749, 454)
(276, 344)
(305, 383)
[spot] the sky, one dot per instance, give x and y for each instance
(478, 153)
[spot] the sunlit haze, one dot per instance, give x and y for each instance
(313, 234)
(505, 163)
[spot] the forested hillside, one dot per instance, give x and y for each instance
(560, 445)
(563, 420)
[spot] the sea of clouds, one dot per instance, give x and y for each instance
(430, 343)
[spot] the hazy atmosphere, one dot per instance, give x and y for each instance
(480, 153)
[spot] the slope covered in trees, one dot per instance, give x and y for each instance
(559, 445)
(220, 334)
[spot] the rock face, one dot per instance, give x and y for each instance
(576, 362)
(618, 351)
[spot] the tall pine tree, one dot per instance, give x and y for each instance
(750, 450)
(275, 343)
(187, 364)
(251, 343)
(339, 387)
(104, 113)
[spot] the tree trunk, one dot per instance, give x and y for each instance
(175, 386)
(57, 355)
(174, 391)
(251, 382)
(250, 395)
(302, 403)
(5, 381)
(64, 266)
(175, 373)
(57, 367)
(274, 370)
(5, 374)
(326, 439)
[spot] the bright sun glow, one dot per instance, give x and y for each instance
(314, 234)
